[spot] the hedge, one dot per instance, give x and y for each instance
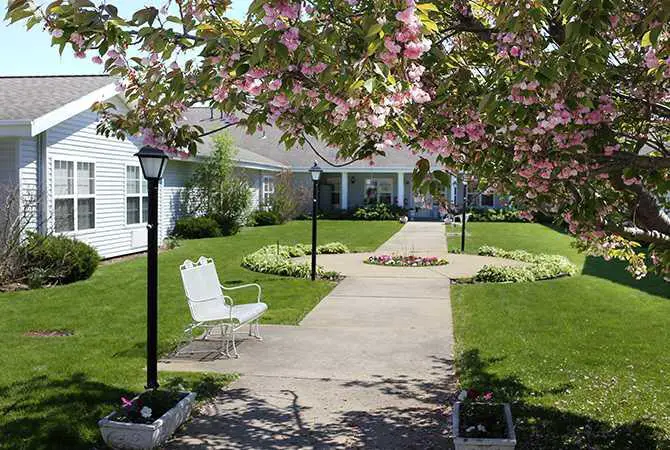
(540, 267)
(276, 260)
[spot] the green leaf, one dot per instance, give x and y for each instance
(427, 7)
(373, 30)
(370, 84)
(646, 39)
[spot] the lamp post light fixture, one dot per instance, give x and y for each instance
(315, 171)
(464, 217)
(153, 162)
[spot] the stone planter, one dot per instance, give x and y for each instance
(123, 435)
(465, 443)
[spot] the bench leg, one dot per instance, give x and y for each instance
(257, 326)
(232, 333)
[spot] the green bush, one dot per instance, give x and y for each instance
(196, 228)
(540, 267)
(379, 211)
(276, 260)
(262, 218)
(228, 225)
(494, 215)
(58, 260)
(332, 248)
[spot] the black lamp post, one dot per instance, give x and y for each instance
(153, 162)
(315, 172)
(463, 218)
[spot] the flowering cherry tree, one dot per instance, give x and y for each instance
(563, 104)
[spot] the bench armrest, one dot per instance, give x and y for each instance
(252, 285)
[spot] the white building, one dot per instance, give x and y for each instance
(90, 187)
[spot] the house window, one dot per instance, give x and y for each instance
(268, 189)
(486, 200)
(74, 196)
(379, 191)
(137, 200)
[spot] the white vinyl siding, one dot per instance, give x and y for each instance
(76, 140)
(27, 163)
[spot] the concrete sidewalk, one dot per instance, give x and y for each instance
(370, 367)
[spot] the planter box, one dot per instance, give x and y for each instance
(123, 435)
(466, 443)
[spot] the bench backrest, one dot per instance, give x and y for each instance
(203, 290)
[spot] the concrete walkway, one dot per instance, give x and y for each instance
(370, 367)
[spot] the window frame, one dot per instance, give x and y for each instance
(143, 193)
(75, 196)
(264, 192)
(376, 181)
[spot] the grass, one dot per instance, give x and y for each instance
(54, 389)
(584, 358)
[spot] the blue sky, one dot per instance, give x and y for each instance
(25, 52)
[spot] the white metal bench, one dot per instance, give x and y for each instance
(211, 308)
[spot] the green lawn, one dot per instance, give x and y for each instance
(53, 390)
(585, 358)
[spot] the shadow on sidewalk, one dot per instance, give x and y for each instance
(262, 423)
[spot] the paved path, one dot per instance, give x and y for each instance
(370, 366)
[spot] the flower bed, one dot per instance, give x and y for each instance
(540, 267)
(406, 261)
(276, 259)
(479, 422)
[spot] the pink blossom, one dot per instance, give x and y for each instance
(414, 50)
(630, 181)
(419, 95)
(650, 59)
(291, 39)
(97, 60)
(407, 17)
(220, 94)
(515, 51)
(77, 39)
(458, 132)
(57, 33)
(415, 72)
(614, 21)
(274, 84)
(80, 54)
(280, 101)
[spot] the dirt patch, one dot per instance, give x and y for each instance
(49, 333)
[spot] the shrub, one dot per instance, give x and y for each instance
(379, 211)
(495, 215)
(276, 260)
(332, 248)
(262, 218)
(58, 260)
(196, 228)
(215, 190)
(17, 213)
(289, 200)
(540, 267)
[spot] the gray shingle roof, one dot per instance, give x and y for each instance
(267, 145)
(27, 98)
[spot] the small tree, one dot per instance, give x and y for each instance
(288, 199)
(16, 217)
(216, 190)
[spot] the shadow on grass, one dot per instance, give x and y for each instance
(54, 413)
(539, 427)
(615, 271)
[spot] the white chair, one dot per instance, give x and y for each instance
(211, 308)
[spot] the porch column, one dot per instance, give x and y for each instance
(401, 189)
(344, 191)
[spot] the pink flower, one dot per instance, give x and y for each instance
(280, 101)
(650, 59)
(220, 94)
(77, 39)
(97, 60)
(489, 395)
(274, 84)
(57, 33)
(614, 21)
(80, 54)
(407, 16)
(515, 51)
(291, 39)
(414, 50)
(419, 95)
